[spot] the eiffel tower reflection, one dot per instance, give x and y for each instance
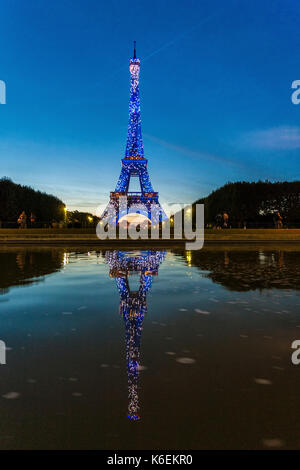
(133, 307)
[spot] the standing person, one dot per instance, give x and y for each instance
(32, 219)
(22, 220)
(219, 221)
(279, 220)
(225, 219)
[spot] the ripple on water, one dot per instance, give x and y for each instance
(185, 360)
(262, 381)
(11, 395)
(273, 443)
(203, 312)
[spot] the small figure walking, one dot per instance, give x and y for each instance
(22, 220)
(225, 219)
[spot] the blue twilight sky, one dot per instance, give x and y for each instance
(215, 89)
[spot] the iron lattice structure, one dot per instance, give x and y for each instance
(134, 164)
(133, 307)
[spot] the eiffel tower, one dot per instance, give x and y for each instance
(133, 307)
(134, 164)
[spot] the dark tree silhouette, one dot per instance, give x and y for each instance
(255, 203)
(15, 198)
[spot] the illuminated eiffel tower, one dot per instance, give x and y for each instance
(134, 164)
(133, 307)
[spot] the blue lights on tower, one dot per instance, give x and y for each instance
(134, 145)
(134, 164)
(133, 307)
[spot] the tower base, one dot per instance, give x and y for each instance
(122, 204)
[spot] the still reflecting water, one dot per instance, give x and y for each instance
(149, 349)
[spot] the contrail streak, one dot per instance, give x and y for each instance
(194, 154)
(170, 43)
(183, 34)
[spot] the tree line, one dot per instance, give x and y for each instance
(15, 198)
(254, 204)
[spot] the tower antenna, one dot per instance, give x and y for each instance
(134, 51)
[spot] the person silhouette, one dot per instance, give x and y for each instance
(22, 220)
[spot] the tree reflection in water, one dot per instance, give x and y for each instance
(21, 266)
(247, 269)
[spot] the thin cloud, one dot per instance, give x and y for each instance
(276, 138)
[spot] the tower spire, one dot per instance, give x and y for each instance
(134, 51)
(134, 144)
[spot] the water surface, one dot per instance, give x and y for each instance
(149, 349)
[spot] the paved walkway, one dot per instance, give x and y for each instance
(88, 237)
